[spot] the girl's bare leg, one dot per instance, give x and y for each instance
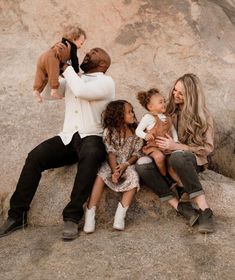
(127, 197)
(96, 192)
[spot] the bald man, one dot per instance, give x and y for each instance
(79, 142)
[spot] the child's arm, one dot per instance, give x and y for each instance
(112, 161)
(138, 144)
(113, 164)
(145, 122)
(121, 168)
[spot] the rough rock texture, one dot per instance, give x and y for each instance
(157, 244)
(151, 43)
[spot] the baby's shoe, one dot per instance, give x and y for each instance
(89, 225)
(119, 219)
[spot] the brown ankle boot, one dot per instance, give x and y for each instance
(205, 220)
(186, 209)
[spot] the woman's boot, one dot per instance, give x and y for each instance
(186, 209)
(205, 220)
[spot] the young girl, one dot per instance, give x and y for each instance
(118, 173)
(153, 125)
(49, 63)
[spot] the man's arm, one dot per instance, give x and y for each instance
(100, 88)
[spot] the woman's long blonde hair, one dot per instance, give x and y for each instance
(193, 117)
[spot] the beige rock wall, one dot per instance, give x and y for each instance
(151, 43)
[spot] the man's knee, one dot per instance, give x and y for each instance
(32, 156)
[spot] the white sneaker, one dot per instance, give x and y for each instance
(119, 219)
(89, 225)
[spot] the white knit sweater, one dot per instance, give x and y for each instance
(85, 99)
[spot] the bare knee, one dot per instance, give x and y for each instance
(158, 157)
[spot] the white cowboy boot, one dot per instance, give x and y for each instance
(89, 225)
(119, 219)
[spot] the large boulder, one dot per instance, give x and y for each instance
(151, 43)
(55, 188)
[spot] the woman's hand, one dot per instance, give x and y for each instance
(166, 143)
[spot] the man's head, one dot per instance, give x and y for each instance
(96, 60)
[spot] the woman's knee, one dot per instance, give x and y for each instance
(179, 159)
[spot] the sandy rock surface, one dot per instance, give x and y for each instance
(151, 44)
(157, 243)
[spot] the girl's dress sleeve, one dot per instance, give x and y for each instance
(109, 147)
(138, 147)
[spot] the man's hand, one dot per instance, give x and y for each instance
(63, 51)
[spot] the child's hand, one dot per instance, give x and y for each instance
(121, 168)
(115, 177)
(149, 136)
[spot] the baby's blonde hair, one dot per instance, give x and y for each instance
(73, 32)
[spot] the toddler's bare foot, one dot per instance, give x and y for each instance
(37, 96)
(54, 94)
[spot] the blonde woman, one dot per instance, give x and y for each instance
(194, 126)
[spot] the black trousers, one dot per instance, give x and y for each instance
(88, 153)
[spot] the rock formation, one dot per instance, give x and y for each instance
(151, 43)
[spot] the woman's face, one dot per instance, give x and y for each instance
(178, 93)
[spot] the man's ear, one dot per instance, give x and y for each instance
(102, 63)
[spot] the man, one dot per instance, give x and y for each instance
(79, 142)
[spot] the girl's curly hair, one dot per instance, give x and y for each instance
(145, 96)
(113, 119)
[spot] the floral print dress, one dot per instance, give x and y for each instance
(128, 147)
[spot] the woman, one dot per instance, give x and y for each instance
(194, 126)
